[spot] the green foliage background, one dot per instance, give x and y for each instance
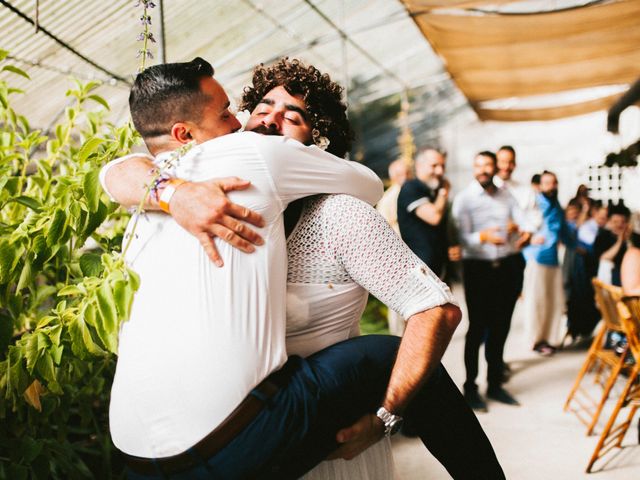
(64, 288)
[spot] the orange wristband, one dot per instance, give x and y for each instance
(170, 188)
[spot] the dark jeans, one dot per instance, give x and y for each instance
(491, 292)
(330, 390)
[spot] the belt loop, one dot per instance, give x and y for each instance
(159, 469)
(199, 460)
(261, 396)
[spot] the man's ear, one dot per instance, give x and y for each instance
(181, 132)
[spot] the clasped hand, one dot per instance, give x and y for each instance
(203, 209)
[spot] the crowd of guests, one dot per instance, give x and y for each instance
(513, 240)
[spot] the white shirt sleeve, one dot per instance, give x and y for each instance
(377, 259)
(105, 169)
(300, 171)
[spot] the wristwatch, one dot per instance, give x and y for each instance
(392, 423)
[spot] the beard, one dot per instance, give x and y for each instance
(551, 195)
(264, 130)
(485, 181)
(433, 183)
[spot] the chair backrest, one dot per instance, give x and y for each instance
(607, 296)
(629, 309)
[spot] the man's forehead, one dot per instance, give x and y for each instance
(280, 94)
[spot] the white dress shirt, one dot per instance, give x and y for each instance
(474, 210)
(201, 337)
(525, 195)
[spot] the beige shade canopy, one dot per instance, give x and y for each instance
(504, 55)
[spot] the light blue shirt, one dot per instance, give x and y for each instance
(554, 229)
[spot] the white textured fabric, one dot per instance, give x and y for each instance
(200, 337)
(341, 248)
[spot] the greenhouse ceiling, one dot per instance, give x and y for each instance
(506, 62)
(373, 46)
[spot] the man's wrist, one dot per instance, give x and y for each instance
(392, 423)
(168, 189)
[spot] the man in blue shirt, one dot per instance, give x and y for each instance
(543, 295)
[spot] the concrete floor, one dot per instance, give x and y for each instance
(536, 441)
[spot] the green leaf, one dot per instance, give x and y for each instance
(122, 298)
(100, 100)
(3, 54)
(8, 260)
(81, 339)
(56, 227)
(92, 189)
(108, 317)
(31, 351)
(30, 202)
(16, 70)
(45, 367)
(6, 332)
(88, 148)
(30, 449)
(69, 290)
(95, 219)
(25, 275)
(91, 265)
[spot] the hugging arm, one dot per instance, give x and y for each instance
(201, 208)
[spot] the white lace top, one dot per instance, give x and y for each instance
(340, 249)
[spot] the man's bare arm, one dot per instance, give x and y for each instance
(201, 208)
(424, 342)
(432, 213)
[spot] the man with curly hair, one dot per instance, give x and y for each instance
(288, 422)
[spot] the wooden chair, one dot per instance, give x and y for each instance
(600, 360)
(612, 435)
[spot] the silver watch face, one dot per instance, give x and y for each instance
(394, 426)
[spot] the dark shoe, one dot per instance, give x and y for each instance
(475, 401)
(499, 394)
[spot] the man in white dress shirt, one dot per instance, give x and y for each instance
(488, 219)
(205, 162)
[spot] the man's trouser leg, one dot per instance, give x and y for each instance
(477, 275)
(507, 288)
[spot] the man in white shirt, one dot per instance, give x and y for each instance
(488, 219)
(251, 294)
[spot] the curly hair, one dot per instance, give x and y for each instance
(323, 98)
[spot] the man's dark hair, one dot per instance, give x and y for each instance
(548, 172)
(327, 114)
(574, 202)
(165, 94)
(535, 180)
(618, 209)
(508, 148)
(487, 153)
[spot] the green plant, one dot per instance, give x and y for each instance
(64, 288)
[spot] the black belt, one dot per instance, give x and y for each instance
(215, 441)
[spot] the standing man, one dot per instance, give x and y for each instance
(422, 210)
(399, 172)
(487, 218)
(543, 302)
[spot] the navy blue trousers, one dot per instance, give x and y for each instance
(332, 389)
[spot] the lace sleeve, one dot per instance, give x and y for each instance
(376, 258)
